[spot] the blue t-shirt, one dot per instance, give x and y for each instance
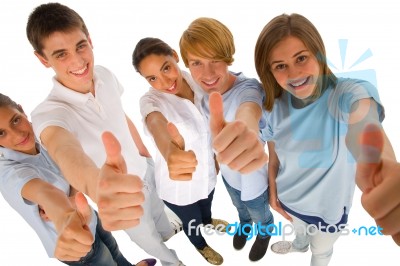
(243, 90)
(316, 177)
(16, 170)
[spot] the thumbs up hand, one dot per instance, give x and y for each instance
(379, 181)
(74, 237)
(235, 143)
(119, 195)
(181, 163)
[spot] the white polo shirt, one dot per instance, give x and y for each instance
(87, 117)
(192, 125)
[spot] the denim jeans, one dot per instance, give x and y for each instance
(194, 214)
(252, 211)
(104, 252)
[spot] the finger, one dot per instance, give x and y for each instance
(176, 137)
(396, 238)
(130, 218)
(113, 151)
(369, 161)
(115, 183)
(217, 121)
(383, 199)
(121, 200)
(83, 208)
(229, 135)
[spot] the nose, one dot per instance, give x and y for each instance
(77, 59)
(165, 81)
(209, 70)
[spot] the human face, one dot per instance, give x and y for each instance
(16, 131)
(212, 75)
(70, 55)
(294, 67)
(162, 73)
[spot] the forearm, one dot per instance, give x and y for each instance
(365, 112)
(250, 113)
(52, 200)
(273, 168)
(157, 125)
(137, 139)
(79, 170)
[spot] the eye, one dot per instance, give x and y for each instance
(82, 46)
(280, 67)
(302, 58)
(16, 120)
(152, 79)
(166, 68)
(61, 55)
(2, 133)
(195, 63)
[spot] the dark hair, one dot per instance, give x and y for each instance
(275, 31)
(6, 101)
(49, 18)
(148, 46)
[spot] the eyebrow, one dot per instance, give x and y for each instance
(13, 118)
(296, 54)
(161, 68)
(63, 50)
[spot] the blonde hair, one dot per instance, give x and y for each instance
(275, 31)
(207, 38)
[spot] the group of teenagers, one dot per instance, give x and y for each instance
(322, 134)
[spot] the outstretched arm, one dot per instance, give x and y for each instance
(181, 163)
(378, 172)
(237, 143)
(118, 195)
(71, 222)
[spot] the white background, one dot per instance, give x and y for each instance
(116, 26)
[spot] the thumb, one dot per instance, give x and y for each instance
(369, 160)
(113, 152)
(176, 137)
(83, 208)
(217, 121)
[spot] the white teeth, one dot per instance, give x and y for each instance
(298, 83)
(172, 87)
(79, 72)
(210, 82)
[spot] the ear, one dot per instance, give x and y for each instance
(175, 55)
(42, 59)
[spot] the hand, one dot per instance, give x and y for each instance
(379, 180)
(236, 145)
(181, 163)
(276, 205)
(119, 195)
(74, 237)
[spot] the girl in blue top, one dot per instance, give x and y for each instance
(312, 132)
(33, 185)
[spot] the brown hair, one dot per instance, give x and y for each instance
(49, 18)
(275, 31)
(207, 38)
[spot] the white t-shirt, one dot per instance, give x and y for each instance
(193, 127)
(17, 169)
(87, 117)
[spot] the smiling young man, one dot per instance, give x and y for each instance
(85, 102)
